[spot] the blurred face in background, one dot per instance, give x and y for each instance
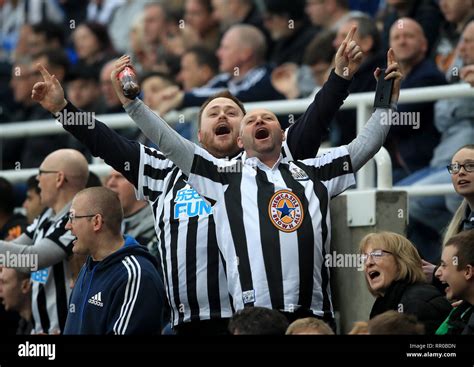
(408, 41)
(466, 45)
(193, 75)
(316, 11)
(106, 87)
(21, 83)
(151, 88)
(83, 92)
(455, 10)
(32, 205)
(85, 42)
(154, 21)
(198, 16)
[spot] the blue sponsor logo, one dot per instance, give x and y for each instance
(40, 276)
(190, 204)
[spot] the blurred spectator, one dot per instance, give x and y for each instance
(45, 35)
(411, 146)
(92, 45)
(101, 11)
(138, 220)
(198, 16)
(83, 89)
(243, 72)
(457, 14)
(394, 275)
(289, 29)
(258, 321)
(454, 119)
(367, 37)
(16, 296)
(11, 225)
(154, 20)
(112, 103)
(32, 203)
(329, 14)
(230, 12)
(309, 326)
(7, 103)
(120, 25)
(15, 13)
(152, 83)
(198, 67)
(395, 323)
(425, 12)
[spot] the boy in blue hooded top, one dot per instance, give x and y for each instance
(118, 290)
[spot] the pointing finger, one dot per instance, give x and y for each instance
(44, 73)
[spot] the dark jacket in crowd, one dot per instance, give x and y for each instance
(122, 294)
(420, 299)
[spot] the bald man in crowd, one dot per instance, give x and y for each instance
(124, 293)
(243, 70)
(46, 245)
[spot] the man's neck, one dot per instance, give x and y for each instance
(62, 201)
(407, 67)
(106, 246)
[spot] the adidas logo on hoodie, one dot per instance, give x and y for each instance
(96, 300)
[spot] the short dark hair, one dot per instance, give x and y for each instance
(56, 58)
(32, 184)
(366, 26)
(204, 57)
(320, 49)
(293, 9)
(222, 94)
(395, 323)
(51, 31)
(7, 203)
(464, 243)
(159, 74)
(258, 321)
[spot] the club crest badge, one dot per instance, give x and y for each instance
(285, 211)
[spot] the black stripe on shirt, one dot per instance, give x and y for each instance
(191, 267)
(233, 202)
(61, 295)
(338, 167)
(306, 243)
(158, 174)
(42, 309)
(270, 240)
(213, 270)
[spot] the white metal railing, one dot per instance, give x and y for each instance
(361, 101)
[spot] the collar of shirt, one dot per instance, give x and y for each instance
(468, 222)
(256, 162)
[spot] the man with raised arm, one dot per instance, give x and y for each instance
(193, 270)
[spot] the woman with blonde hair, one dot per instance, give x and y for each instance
(462, 176)
(392, 268)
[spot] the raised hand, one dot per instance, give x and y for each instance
(392, 72)
(119, 65)
(348, 56)
(49, 92)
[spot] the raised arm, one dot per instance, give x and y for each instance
(369, 141)
(171, 144)
(304, 136)
(120, 153)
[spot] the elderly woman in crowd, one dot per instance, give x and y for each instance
(392, 268)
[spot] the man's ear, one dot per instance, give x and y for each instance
(240, 142)
(25, 286)
(60, 179)
(469, 272)
(283, 138)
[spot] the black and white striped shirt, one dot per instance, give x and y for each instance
(273, 226)
(193, 270)
(50, 286)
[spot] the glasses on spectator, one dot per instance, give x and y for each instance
(44, 172)
(72, 216)
(376, 255)
(454, 168)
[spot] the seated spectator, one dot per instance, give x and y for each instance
(457, 14)
(46, 36)
(16, 296)
(329, 14)
(83, 88)
(463, 219)
(32, 203)
(112, 103)
(122, 276)
(243, 72)
(93, 46)
(258, 321)
(289, 29)
(11, 225)
(425, 12)
(454, 119)
(201, 23)
(457, 271)
(309, 326)
(198, 67)
(411, 146)
(395, 323)
(394, 275)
